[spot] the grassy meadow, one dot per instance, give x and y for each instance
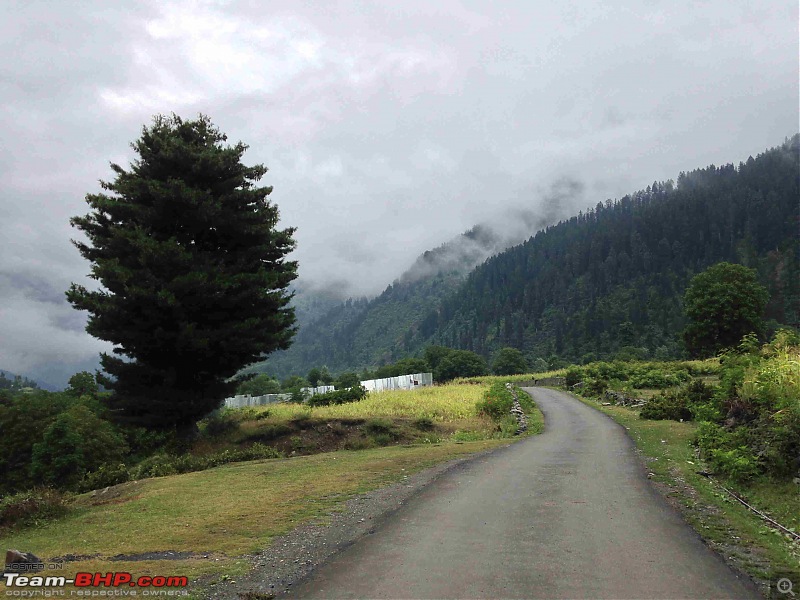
(442, 403)
(219, 515)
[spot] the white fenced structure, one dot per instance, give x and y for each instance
(402, 382)
(320, 389)
(240, 401)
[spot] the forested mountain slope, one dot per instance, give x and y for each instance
(611, 279)
(606, 281)
(367, 332)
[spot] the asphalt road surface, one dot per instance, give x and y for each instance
(565, 514)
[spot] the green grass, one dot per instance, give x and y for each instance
(535, 420)
(235, 509)
(224, 512)
(723, 522)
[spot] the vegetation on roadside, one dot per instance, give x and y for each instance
(737, 418)
(751, 426)
(497, 402)
(596, 377)
(735, 532)
(749, 422)
(51, 428)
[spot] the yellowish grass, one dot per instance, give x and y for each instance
(442, 403)
(490, 379)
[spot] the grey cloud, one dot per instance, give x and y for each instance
(388, 129)
(32, 287)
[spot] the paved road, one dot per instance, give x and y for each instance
(565, 514)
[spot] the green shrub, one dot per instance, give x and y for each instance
(698, 392)
(496, 403)
(383, 432)
(162, 465)
(423, 424)
(78, 441)
(353, 394)
(508, 427)
(105, 476)
(158, 465)
(711, 435)
(726, 451)
(595, 387)
(376, 426)
(737, 464)
(573, 376)
(777, 437)
(659, 379)
(255, 452)
(607, 371)
(382, 439)
(702, 368)
(670, 404)
(32, 508)
(220, 423)
(706, 411)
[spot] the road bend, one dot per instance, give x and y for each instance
(568, 513)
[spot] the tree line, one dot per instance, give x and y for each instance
(610, 281)
(607, 283)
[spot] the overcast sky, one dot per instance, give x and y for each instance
(388, 128)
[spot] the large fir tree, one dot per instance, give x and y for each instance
(193, 271)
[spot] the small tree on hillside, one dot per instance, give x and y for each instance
(82, 384)
(434, 355)
(461, 363)
(509, 361)
(404, 366)
(319, 376)
(193, 271)
(723, 303)
(313, 377)
(259, 385)
(346, 380)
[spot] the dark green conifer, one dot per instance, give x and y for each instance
(193, 272)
